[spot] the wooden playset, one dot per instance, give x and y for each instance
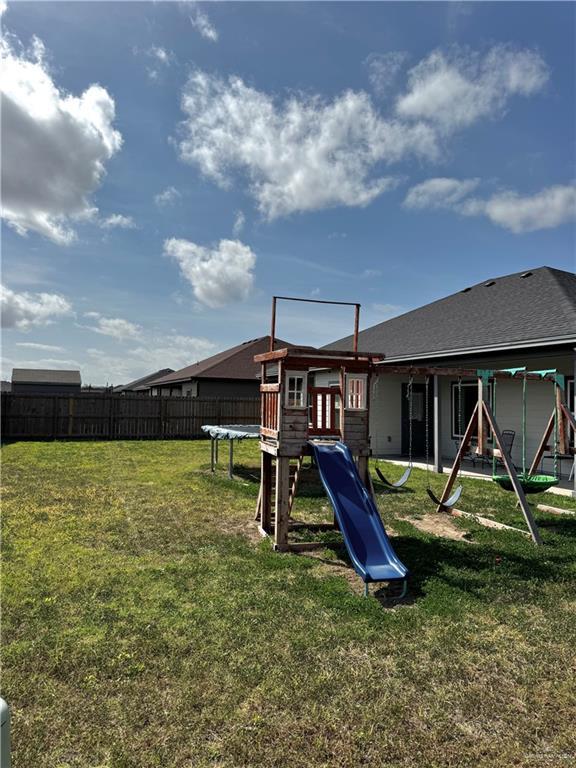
(294, 412)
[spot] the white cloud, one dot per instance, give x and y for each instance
(160, 351)
(116, 327)
(41, 347)
(54, 145)
(546, 209)
(439, 193)
(167, 196)
(118, 221)
(202, 24)
(383, 69)
(3, 7)
(24, 310)
(161, 55)
(219, 275)
(302, 154)
(386, 311)
(455, 89)
(239, 222)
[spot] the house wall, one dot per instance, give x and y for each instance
(22, 388)
(228, 388)
(224, 388)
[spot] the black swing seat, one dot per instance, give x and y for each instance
(450, 502)
(399, 483)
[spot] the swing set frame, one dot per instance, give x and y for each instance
(483, 421)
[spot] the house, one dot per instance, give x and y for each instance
(232, 373)
(523, 319)
(5, 386)
(143, 384)
(41, 381)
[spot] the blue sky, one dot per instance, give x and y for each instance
(168, 167)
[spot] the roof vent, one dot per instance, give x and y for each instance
(526, 274)
(465, 290)
(489, 283)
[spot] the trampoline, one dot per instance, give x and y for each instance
(229, 432)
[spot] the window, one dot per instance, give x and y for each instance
(356, 392)
(295, 390)
(468, 403)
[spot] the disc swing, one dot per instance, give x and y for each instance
(531, 483)
(452, 500)
(404, 479)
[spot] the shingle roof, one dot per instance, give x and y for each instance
(144, 381)
(234, 363)
(44, 376)
(532, 307)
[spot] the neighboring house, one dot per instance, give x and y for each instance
(5, 386)
(527, 318)
(232, 373)
(38, 381)
(143, 384)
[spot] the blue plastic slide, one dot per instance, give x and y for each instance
(366, 540)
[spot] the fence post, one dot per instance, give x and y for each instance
(70, 415)
(55, 417)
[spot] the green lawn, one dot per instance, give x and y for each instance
(146, 624)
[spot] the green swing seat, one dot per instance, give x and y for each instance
(529, 483)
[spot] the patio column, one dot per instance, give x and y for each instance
(437, 437)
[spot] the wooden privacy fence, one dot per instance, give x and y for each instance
(119, 417)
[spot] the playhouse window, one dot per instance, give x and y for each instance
(356, 392)
(295, 390)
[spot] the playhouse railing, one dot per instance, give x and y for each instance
(269, 394)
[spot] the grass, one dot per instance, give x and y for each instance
(146, 625)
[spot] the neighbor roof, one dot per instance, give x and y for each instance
(532, 308)
(44, 376)
(144, 382)
(234, 363)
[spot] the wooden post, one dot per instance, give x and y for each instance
(562, 441)
(458, 460)
(265, 484)
(273, 325)
(70, 416)
(55, 402)
(437, 416)
(542, 446)
(356, 325)
(282, 503)
(508, 463)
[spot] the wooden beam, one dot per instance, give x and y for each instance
(555, 510)
(458, 460)
(563, 442)
(481, 446)
(542, 446)
(306, 546)
(510, 468)
(307, 352)
(410, 370)
(487, 522)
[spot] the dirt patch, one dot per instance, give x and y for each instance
(439, 525)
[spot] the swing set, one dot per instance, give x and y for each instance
(483, 425)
